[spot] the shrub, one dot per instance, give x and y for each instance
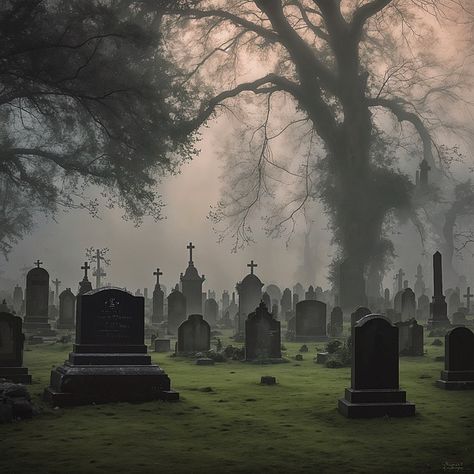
(437, 342)
(304, 348)
(333, 346)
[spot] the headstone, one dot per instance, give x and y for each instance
(109, 361)
(310, 321)
(336, 322)
(454, 301)
(194, 335)
(397, 302)
(410, 338)
(459, 318)
(12, 340)
(262, 335)
(157, 316)
(458, 373)
(408, 304)
(275, 310)
(268, 380)
(375, 390)
(393, 316)
(191, 283)
(266, 300)
(290, 329)
(67, 310)
(17, 299)
(162, 345)
(204, 361)
(176, 310)
(438, 306)
(419, 286)
(359, 313)
(468, 297)
(310, 294)
(225, 301)
(274, 292)
(211, 311)
(423, 308)
(285, 302)
(250, 296)
(386, 298)
(37, 296)
(85, 285)
(299, 291)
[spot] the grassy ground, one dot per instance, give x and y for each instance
(227, 422)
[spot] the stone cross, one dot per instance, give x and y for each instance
(158, 274)
(399, 278)
(468, 297)
(85, 267)
(38, 263)
(251, 265)
(98, 272)
(190, 247)
(56, 284)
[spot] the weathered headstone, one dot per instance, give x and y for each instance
(438, 306)
(266, 299)
(310, 294)
(11, 349)
(67, 310)
(459, 318)
(17, 299)
(408, 304)
(393, 316)
(336, 322)
(211, 311)
(250, 295)
(359, 313)
(454, 301)
(157, 315)
(458, 373)
(285, 302)
(423, 312)
(191, 283)
(419, 286)
(194, 335)
(410, 340)
(375, 390)
(262, 335)
(109, 361)
(310, 321)
(397, 302)
(162, 345)
(176, 310)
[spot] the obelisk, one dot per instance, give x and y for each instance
(438, 306)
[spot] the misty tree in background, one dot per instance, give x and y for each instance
(355, 86)
(86, 99)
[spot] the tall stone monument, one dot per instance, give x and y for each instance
(438, 306)
(158, 300)
(191, 285)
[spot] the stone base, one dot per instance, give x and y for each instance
(456, 380)
(375, 403)
(15, 374)
(84, 384)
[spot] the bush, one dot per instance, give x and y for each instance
(334, 364)
(437, 342)
(283, 347)
(298, 357)
(234, 353)
(216, 356)
(304, 348)
(333, 346)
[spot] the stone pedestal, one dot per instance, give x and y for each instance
(456, 380)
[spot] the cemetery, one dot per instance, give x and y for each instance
(236, 237)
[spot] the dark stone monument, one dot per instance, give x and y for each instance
(176, 310)
(211, 311)
(67, 310)
(375, 390)
(85, 285)
(12, 340)
(359, 313)
(262, 335)
(336, 322)
(285, 302)
(310, 321)
(410, 338)
(194, 335)
(397, 302)
(37, 298)
(191, 283)
(458, 373)
(438, 306)
(157, 315)
(408, 304)
(109, 361)
(162, 345)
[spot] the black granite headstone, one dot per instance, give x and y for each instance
(359, 313)
(310, 321)
(194, 335)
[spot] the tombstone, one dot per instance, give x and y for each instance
(191, 283)
(37, 296)
(423, 312)
(266, 300)
(419, 286)
(375, 390)
(296, 300)
(109, 361)
(85, 285)
(408, 304)
(67, 310)
(310, 294)
(336, 322)
(290, 329)
(176, 310)
(386, 298)
(298, 290)
(225, 300)
(459, 318)
(285, 302)
(410, 338)
(211, 311)
(17, 299)
(438, 307)
(194, 335)
(275, 310)
(310, 321)
(250, 296)
(468, 297)
(458, 373)
(394, 316)
(454, 301)
(358, 314)
(157, 315)
(274, 292)
(397, 302)
(262, 336)
(12, 340)
(162, 345)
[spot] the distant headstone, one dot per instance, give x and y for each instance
(336, 322)
(459, 318)
(211, 311)
(438, 306)
(109, 361)
(310, 294)
(410, 338)
(375, 390)
(158, 316)
(458, 373)
(17, 299)
(67, 310)
(393, 316)
(285, 302)
(408, 304)
(359, 313)
(268, 380)
(397, 302)
(423, 312)
(262, 335)
(176, 310)
(454, 301)
(194, 335)
(12, 340)
(191, 283)
(266, 299)
(310, 321)
(162, 345)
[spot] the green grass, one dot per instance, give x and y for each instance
(241, 426)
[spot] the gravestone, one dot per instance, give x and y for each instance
(393, 316)
(191, 283)
(310, 321)
(85, 285)
(275, 310)
(12, 340)
(438, 307)
(336, 322)
(109, 361)
(262, 335)
(397, 302)
(454, 301)
(375, 390)
(194, 335)
(157, 315)
(423, 312)
(290, 329)
(408, 304)
(310, 294)
(162, 345)
(266, 300)
(211, 311)
(18, 299)
(285, 302)
(458, 373)
(67, 310)
(410, 338)
(37, 297)
(359, 313)
(459, 318)
(176, 310)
